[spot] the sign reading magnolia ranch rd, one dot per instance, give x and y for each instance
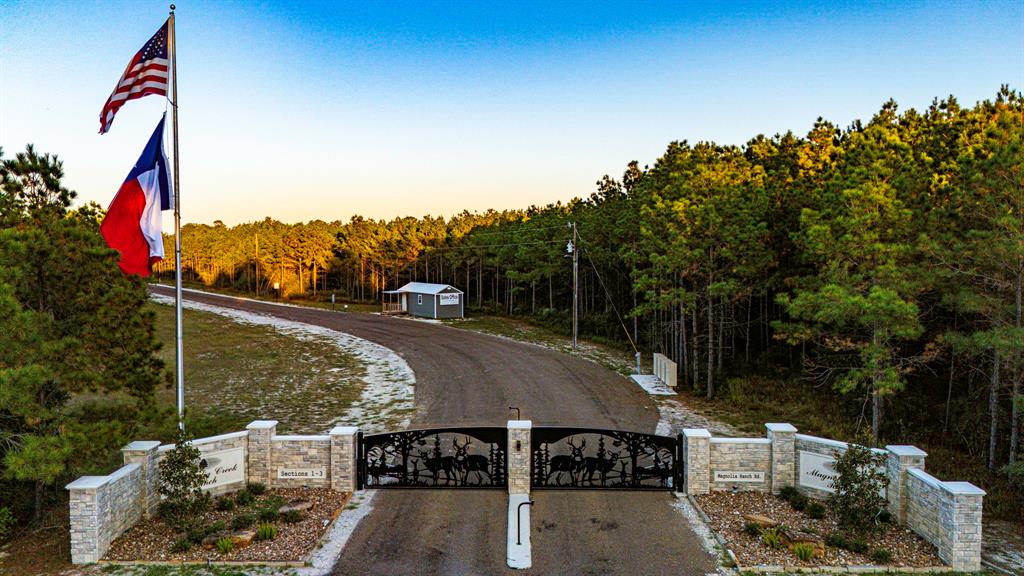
(302, 473)
(223, 467)
(726, 476)
(449, 299)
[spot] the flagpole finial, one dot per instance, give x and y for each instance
(172, 7)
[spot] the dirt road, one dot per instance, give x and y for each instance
(466, 378)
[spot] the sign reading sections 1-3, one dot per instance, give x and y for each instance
(302, 473)
(449, 299)
(223, 467)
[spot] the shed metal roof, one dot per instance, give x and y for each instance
(423, 288)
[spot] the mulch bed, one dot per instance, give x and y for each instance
(726, 510)
(151, 540)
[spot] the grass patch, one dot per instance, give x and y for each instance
(239, 372)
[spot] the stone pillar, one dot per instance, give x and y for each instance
(519, 456)
(783, 439)
(344, 458)
(964, 525)
(697, 459)
(143, 453)
(85, 515)
(901, 459)
(258, 468)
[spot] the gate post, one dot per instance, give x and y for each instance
(783, 442)
(519, 456)
(697, 457)
(344, 458)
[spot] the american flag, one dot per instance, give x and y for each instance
(146, 74)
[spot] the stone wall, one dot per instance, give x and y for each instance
(740, 464)
(298, 461)
(947, 514)
(103, 507)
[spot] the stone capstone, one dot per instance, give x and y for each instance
(295, 505)
(761, 521)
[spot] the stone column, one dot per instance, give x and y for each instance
(344, 458)
(519, 456)
(901, 459)
(85, 515)
(964, 525)
(783, 439)
(258, 467)
(697, 458)
(143, 453)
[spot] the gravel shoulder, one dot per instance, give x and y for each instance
(466, 378)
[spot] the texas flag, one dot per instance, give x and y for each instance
(132, 225)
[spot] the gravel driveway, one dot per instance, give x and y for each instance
(467, 378)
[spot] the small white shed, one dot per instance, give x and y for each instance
(425, 300)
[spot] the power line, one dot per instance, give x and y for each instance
(609, 296)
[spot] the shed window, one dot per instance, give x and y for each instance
(419, 298)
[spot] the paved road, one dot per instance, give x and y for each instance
(466, 378)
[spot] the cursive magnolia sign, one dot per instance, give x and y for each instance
(223, 467)
(818, 471)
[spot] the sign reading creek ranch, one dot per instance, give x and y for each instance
(449, 299)
(302, 473)
(223, 467)
(745, 476)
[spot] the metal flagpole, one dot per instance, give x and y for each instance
(178, 355)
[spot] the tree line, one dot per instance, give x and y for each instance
(868, 259)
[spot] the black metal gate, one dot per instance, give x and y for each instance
(592, 458)
(471, 457)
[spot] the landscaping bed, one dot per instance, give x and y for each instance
(295, 535)
(730, 514)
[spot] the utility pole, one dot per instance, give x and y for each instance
(574, 248)
(257, 264)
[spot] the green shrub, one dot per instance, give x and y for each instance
(858, 545)
(884, 516)
(771, 537)
(256, 488)
(881, 556)
(182, 545)
(837, 540)
(266, 531)
(799, 502)
(225, 545)
(243, 521)
(788, 492)
(181, 483)
(243, 497)
(859, 484)
(268, 514)
(752, 529)
(803, 551)
(293, 516)
(6, 522)
(225, 504)
(815, 510)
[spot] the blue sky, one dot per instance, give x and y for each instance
(325, 110)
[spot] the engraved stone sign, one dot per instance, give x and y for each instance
(302, 473)
(738, 476)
